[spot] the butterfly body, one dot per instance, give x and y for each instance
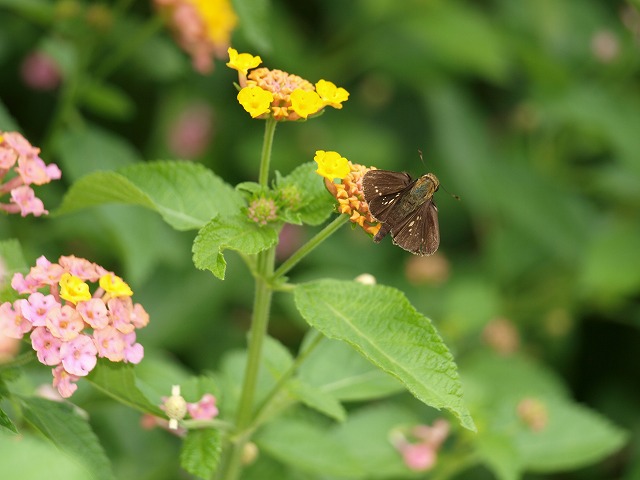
(405, 208)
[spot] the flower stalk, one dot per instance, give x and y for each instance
(308, 247)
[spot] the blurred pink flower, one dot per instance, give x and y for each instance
(202, 28)
(419, 456)
(191, 132)
(204, 409)
(40, 71)
(30, 169)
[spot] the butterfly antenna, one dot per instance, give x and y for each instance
(452, 194)
(457, 197)
(422, 159)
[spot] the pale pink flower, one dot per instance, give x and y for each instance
(33, 170)
(64, 323)
(204, 409)
(139, 316)
(47, 346)
(25, 198)
(434, 435)
(44, 273)
(12, 322)
(8, 158)
(82, 268)
(36, 308)
(64, 381)
(133, 352)
(23, 285)
(120, 309)
(20, 144)
(79, 355)
(94, 312)
(110, 343)
(419, 457)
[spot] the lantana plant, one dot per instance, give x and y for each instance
(283, 402)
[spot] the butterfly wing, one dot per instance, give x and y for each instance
(418, 233)
(381, 188)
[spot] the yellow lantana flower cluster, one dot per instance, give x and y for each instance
(349, 192)
(274, 93)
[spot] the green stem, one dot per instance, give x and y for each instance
(303, 251)
(267, 145)
(316, 338)
(128, 47)
(259, 323)
(232, 461)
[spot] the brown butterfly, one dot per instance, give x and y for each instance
(405, 208)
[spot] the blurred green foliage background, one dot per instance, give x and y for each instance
(528, 110)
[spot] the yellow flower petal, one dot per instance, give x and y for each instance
(73, 289)
(255, 100)
(305, 102)
(242, 62)
(330, 94)
(115, 286)
(331, 165)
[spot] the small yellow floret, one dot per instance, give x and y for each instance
(242, 62)
(331, 165)
(330, 94)
(305, 102)
(115, 285)
(255, 100)
(73, 289)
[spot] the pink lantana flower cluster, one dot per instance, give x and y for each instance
(21, 166)
(70, 327)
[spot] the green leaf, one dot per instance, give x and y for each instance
(574, 437)
(380, 323)
(355, 380)
(34, 459)
(276, 357)
(317, 399)
(91, 149)
(229, 232)
(5, 422)
(308, 447)
(187, 195)
(12, 261)
(315, 204)
(500, 454)
(68, 431)
(611, 265)
(105, 100)
(200, 452)
(119, 382)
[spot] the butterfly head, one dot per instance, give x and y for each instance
(426, 186)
